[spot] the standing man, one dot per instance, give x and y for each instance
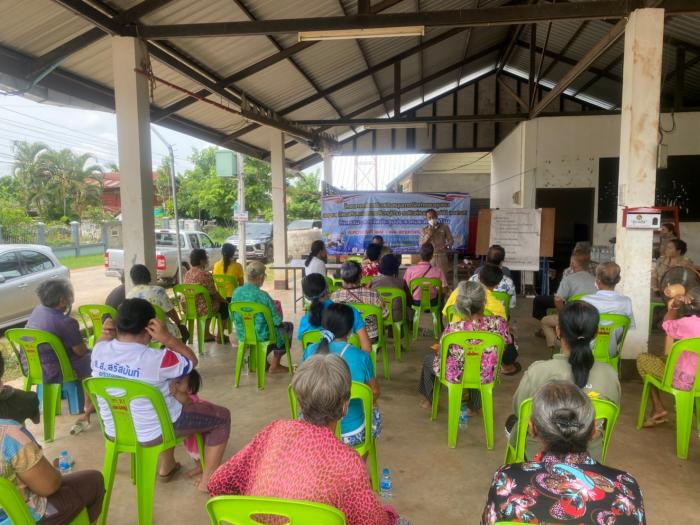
(439, 235)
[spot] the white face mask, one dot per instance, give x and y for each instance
(432, 222)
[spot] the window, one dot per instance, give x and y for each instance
(35, 262)
(206, 241)
(194, 241)
(167, 239)
(9, 266)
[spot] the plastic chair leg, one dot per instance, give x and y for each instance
(487, 413)
(81, 519)
(109, 469)
(396, 338)
(697, 413)
(372, 464)
(201, 334)
(373, 356)
(437, 329)
(416, 324)
(684, 423)
(454, 393)
(146, 471)
(51, 403)
(436, 399)
(220, 324)
(643, 404)
(385, 361)
(190, 329)
(406, 335)
(200, 448)
(261, 353)
(240, 353)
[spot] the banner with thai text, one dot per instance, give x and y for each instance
(350, 220)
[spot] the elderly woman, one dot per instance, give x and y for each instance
(469, 303)
(302, 459)
(53, 315)
(563, 484)
(199, 274)
(251, 292)
(52, 498)
(577, 328)
(353, 292)
(672, 256)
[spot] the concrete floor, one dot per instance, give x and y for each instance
(432, 483)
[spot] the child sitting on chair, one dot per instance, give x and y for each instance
(185, 390)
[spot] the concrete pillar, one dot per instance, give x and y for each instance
(40, 233)
(75, 236)
(134, 142)
(638, 150)
(279, 207)
(327, 168)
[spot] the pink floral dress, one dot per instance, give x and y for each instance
(455, 354)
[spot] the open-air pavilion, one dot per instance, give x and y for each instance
(548, 87)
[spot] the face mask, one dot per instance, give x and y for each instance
(432, 222)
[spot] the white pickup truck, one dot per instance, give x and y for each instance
(166, 254)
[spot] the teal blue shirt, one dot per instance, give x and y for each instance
(360, 364)
(252, 294)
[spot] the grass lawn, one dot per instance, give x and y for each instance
(12, 370)
(84, 261)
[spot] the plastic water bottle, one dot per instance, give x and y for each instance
(64, 463)
(385, 486)
(245, 370)
(463, 417)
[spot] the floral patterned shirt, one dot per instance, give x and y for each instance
(455, 354)
(297, 460)
(197, 275)
(569, 489)
(370, 268)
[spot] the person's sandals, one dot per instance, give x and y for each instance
(165, 478)
(518, 368)
(79, 426)
(654, 421)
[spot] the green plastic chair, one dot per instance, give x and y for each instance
(504, 299)
(450, 313)
(332, 284)
(369, 310)
(222, 282)
(366, 280)
(257, 350)
(310, 337)
(243, 510)
(686, 401)
(604, 410)
(607, 327)
(368, 447)
(117, 395)
(399, 329)
(354, 258)
(91, 315)
(12, 502)
(26, 341)
(426, 285)
(188, 294)
(471, 378)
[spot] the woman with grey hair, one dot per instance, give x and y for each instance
(53, 315)
(302, 459)
(470, 302)
(563, 484)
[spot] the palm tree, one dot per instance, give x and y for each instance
(30, 172)
(74, 183)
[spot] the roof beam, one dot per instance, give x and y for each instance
(487, 16)
(566, 47)
(584, 64)
(53, 58)
(434, 119)
(598, 76)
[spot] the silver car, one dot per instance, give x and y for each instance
(23, 267)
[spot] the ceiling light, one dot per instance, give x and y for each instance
(347, 34)
(398, 125)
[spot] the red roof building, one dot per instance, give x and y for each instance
(111, 192)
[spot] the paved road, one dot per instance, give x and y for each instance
(91, 285)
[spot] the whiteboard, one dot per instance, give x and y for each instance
(518, 231)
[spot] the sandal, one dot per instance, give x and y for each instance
(165, 478)
(518, 368)
(654, 422)
(79, 426)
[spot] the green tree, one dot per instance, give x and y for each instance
(31, 175)
(74, 183)
(304, 197)
(163, 186)
(11, 211)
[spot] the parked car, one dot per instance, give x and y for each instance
(23, 267)
(258, 240)
(166, 254)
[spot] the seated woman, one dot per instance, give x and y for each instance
(370, 265)
(672, 256)
(228, 266)
(353, 292)
(389, 278)
(469, 303)
(199, 274)
(143, 289)
(302, 459)
(577, 328)
(53, 315)
(682, 321)
(337, 326)
(52, 498)
(129, 352)
(563, 483)
(317, 259)
(251, 293)
(315, 290)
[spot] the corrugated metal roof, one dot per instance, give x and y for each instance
(35, 27)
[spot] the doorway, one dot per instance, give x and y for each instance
(573, 219)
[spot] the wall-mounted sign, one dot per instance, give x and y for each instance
(641, 218)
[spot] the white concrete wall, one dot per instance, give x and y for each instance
(476, 184)
(564, 152)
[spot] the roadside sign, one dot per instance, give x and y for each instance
(240, 216)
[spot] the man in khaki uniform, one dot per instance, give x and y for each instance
(440, 236)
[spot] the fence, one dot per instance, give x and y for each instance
(66, 241)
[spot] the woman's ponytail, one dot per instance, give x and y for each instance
(315, 288)
(578, 325)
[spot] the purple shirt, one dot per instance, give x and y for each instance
(68, 331)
